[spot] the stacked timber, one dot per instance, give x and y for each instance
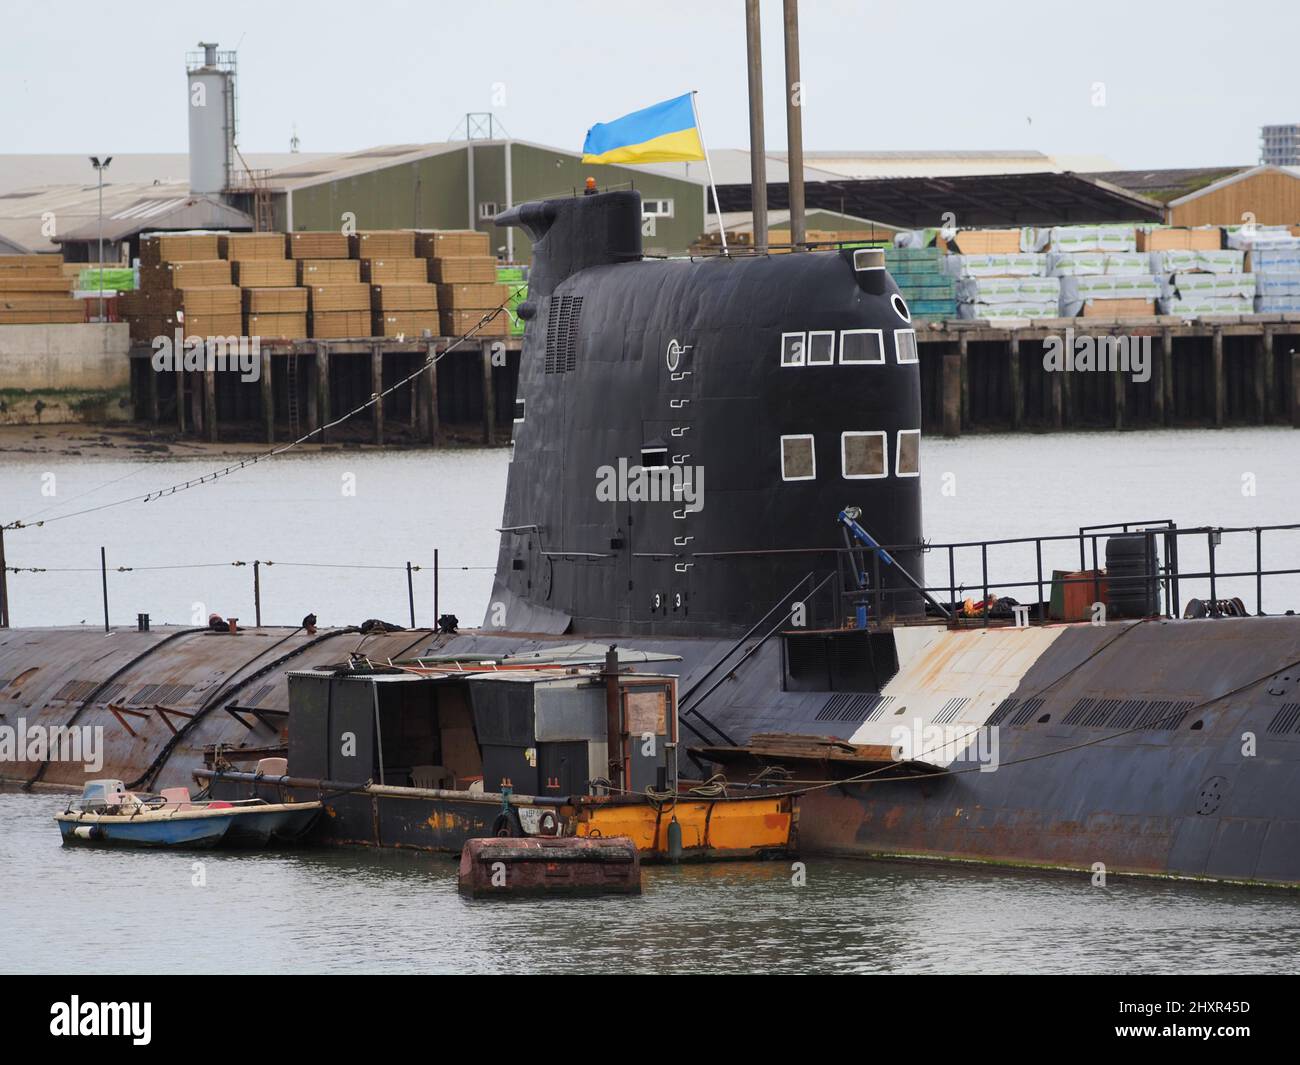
(279, 313)
(35, 291)
(316, 245)
(461, 264)
(404, 309)
(183, 282)
(339, 310)
(272, 303)
(928, 292)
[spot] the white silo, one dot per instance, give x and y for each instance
(212, 118)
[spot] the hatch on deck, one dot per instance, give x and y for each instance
(837, 660)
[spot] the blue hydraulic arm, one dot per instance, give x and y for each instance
(848, 518)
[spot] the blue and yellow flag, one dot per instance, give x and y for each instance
(661, 133)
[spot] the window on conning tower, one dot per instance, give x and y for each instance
(864, 454)
(905, 345)
(798, 458)
(862, 346)
(907, 462)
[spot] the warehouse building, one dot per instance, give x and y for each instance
(464, 185)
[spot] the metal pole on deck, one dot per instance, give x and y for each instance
(257, 591)
(4, 584)
(794, 124)
(103, 574)
(436, 615)
(410, 592)
(757, 146)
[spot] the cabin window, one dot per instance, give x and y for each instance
(798, 458)
(519, 410)
(657, 208)
(900, 308)
(792, 349)
(654, 458)
(864, 455)
(905, 345)
(908, 455)
(863, 346)
(821, 347)
(868, 259)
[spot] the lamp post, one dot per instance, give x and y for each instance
(100, 168)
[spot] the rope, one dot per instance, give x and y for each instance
(208, 478)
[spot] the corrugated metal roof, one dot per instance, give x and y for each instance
(173, 213)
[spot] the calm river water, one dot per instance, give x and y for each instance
(356, 911)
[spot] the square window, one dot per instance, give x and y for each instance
(905, 345)
(863, 346)
(798, 459)
(519, 410)
(821, 347)
(864, 455)
(792, 349)
(908, 455)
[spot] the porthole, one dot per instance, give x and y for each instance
(900, 308)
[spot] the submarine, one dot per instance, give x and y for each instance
(716, 462)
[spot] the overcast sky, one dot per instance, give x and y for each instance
(1183, 84)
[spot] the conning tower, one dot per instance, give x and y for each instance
(686, 431)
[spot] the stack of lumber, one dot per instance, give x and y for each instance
(1004, 285)
(404, 309)
(461, 264)
(317, 245)
(339, 310)
(1175, 238)
(183, 281)
(463, 305)
(35, 291)
(275, 312)
(918, 272)
(272, 303)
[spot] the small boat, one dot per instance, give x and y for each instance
(107, 814)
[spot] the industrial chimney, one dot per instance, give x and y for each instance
(212, 118)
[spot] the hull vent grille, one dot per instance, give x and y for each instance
(562, 335)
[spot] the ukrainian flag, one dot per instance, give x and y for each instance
(662, 133)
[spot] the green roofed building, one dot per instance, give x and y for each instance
(464, 185)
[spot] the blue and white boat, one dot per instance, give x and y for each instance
(107, 814)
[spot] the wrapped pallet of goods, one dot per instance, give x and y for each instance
(435, 243)
(986, 242)
(926, 289)
(1273, 259)
(404, 309)
(317, 245)
(251, 246)
(1003, 286)
(382, 244)
(513, 277)
(279, 313)
(339, 311)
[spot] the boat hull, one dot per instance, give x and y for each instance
(178, 833)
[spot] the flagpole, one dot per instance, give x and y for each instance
(722, 230)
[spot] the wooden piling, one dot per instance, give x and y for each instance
(268, 398)
(1159, 380)
(1295, 389)
(1013, 374)
(322, 389)
(1119, 388)
(376, 387)
(1266, 375)
(151, 391)
(210, 404)
(489, 396)
(1217, 372)
(964, 353)
(431, 398)
(951, 394)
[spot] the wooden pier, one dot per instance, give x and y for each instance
(305, 385)
(975, 377)
(1227, 370)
